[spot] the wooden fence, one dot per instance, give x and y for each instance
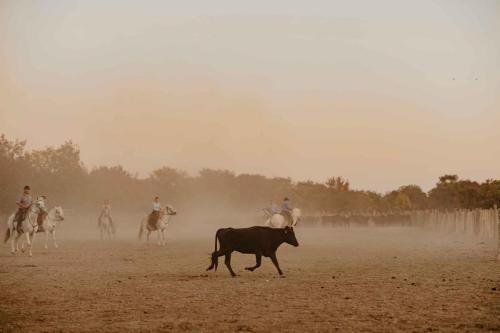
(348, 220)
(480, 223)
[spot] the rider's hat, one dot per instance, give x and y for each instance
(286, 199)
(27, 187)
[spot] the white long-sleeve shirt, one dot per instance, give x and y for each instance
(156, 206)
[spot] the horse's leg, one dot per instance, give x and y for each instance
(13, 241)
(17, 242)
(163, 241)
(28, 242)
(113, 229)
(147, 235)
(46, 238)
(22, 242)
(54, 237)
(102, 232)
(32, 240)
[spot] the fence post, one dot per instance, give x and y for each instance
(497, 226)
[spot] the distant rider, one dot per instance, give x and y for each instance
(43, 213)
(106, 213)
(23, 203)
(286, 210)
(271, 209)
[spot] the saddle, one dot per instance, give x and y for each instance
(153, 218)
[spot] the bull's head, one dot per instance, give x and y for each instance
(290, 236)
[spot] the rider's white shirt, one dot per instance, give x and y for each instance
(156, 206)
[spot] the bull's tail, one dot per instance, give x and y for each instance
(215, 255)
(141, 230)
(7, 235)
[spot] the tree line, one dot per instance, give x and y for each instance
(59, 173)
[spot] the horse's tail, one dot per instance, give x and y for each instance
(141, 230)
(7, 235)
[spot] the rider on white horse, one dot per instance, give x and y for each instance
(106, 213)
(24, 222)
(43, 214)
(272, 209)
(23, 203)
(280, 218)
(159, 225)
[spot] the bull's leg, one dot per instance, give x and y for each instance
(275, 262)
(215, 259)
(258, 259)
(227, 261)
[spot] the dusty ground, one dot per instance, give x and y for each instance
(374, 280)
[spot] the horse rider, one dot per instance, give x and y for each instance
(286, 210)
(155, 214)
(23, 204)
(271, 209)
(106, 212)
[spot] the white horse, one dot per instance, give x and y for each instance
(279, 221)
(161, 225)
(106, 225)
(49, 223)
(29, 227)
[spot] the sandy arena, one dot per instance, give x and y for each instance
(365, 279)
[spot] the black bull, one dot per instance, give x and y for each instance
(261, 241)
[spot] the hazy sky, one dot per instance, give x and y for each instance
(384, 93)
